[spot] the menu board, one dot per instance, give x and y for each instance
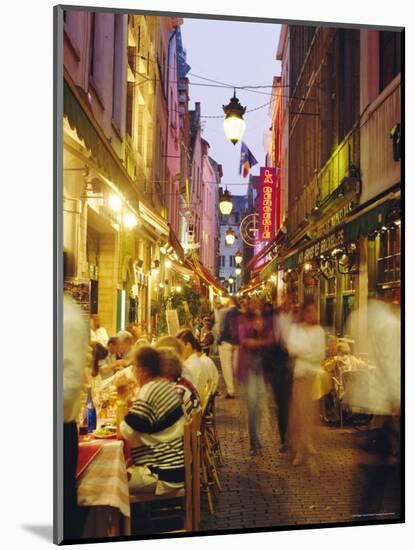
(172, 319)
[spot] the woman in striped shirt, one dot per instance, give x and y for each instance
(154, 429)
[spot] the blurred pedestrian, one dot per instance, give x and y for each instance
(306, 344)
(252, 337)
(282, 369)
(228, 342)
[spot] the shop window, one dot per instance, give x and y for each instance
(133, 310)
(331, 285)
(293, 291)
(348, 306)
(349, 282)
(389, 260)
(310, 293)
(330, 312)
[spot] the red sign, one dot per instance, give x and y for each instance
(267, 204)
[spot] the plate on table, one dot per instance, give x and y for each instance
(105, 433)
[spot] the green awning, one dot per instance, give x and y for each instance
(369, 222)
(291, 262)
(277, 264)
(269, 269)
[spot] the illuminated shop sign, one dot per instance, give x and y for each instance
(267, 204)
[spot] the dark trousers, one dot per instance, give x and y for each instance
(281, 383)
(73, 515)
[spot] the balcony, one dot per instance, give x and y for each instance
(341, 167)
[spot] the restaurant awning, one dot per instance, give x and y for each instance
(175, 244)
(153, 219)
(370, 221)
(182, 270)
(208, 277)
(81, 119)
(359, 226)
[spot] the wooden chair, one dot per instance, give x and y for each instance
(210, 477)
(188, 497)
(196, 462)
(211, 430)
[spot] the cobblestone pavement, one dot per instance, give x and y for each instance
(344, 483)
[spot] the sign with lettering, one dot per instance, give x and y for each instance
(323, 246)
(335, 219)
(267, 204)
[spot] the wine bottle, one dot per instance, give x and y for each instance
(91, 412)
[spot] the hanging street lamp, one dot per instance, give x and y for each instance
(225, 203)
(238, 271)
(238, 258)
(230, 236)
(231, 280)
(234, 124)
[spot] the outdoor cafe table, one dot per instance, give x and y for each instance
(103, 486)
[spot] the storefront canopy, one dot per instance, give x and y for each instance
(370, 221)
(361, 226)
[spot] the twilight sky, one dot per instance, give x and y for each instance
(240, 54)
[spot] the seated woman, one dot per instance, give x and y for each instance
(172, 368)
(154, 429)
(207, 337)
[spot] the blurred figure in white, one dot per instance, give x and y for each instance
(379, 339)
(75, 347)
(228, 344)
(306, 344)
(98, 333)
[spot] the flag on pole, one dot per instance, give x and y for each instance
(247, 160)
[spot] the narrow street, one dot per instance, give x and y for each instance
(268, 491)
(252, 216)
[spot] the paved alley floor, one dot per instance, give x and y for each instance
(345, 484)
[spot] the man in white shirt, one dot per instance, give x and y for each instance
(194, 369)
(211, 369)
(98, 333)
